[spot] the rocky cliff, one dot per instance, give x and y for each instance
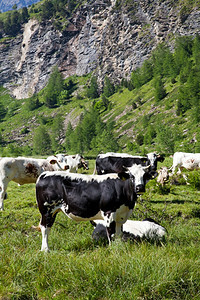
(102, 36)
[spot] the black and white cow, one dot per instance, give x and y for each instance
(147, 229)
(115, 162)
(84, 197)
(154, 158)
(139, 166)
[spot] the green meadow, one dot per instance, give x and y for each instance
(77, 268)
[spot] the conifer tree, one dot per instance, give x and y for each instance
(41, 141)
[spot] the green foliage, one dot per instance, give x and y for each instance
(109, 88)
(92, 91)
(3, 112)
(91, 134)
(57, 133)
(54, 88)
(166, 137)
(193, 178)
(160, 91)
(140, 139)
(41, 141)
(32, 103)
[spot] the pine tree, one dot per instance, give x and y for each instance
(92, 91)
(53, 88)
(41, 141)
(57, 133)
(160, 91)
(109, 88)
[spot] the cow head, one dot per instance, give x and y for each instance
(59, 160)
(83, 164)
(141, 176)
(154, 158)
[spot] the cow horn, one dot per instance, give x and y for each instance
(145, 168)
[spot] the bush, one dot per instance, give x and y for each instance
(194, 179)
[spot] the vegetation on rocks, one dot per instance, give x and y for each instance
(157, 109)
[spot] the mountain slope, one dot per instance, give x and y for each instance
(108, 37)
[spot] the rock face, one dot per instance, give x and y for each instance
(100, 37)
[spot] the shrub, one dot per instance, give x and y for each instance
(194, 179)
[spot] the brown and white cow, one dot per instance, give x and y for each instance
(23, 170)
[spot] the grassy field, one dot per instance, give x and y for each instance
(77, 268)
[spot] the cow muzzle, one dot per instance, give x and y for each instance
(140, 188)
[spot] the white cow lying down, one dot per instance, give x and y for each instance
(23, 170)
(147, 229)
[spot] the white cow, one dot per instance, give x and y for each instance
(23, 170)
(74, 162)
(189, 161)
(147, 229)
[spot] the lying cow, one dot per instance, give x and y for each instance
(23, 170)
(84, 197)
(147, 229)
(115, 162)
(189, 161)
(163, 175)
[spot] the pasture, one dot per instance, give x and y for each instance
(77, 268)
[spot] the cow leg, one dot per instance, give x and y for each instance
(108, 235)
(46, 223)
(118, 229)
(45, 234)
(3, 187)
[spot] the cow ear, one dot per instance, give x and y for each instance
(53, 161)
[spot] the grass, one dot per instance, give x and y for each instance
(77, 268)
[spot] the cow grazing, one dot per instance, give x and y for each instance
(23, 170)
(84, 197)
(189, 161)
(147, 229)
(163, 175)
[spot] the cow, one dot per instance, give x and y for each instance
(23, 170)
(148, 229)
(115, 162)
(154, 158)
(75, 162)
(120, 162)
(84, 197)
(163, 175)
(72, 162)
(189, 161)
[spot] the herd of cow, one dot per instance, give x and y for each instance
(106, 199)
